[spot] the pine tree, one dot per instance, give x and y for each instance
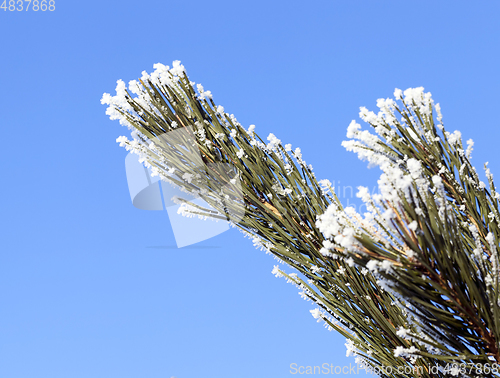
(412, 284)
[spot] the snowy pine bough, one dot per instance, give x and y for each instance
(413, 282)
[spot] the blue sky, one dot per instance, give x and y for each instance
(91, 286)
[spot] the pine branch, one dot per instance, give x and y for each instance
(412, 283)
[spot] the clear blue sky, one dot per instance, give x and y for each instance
(83, 293)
